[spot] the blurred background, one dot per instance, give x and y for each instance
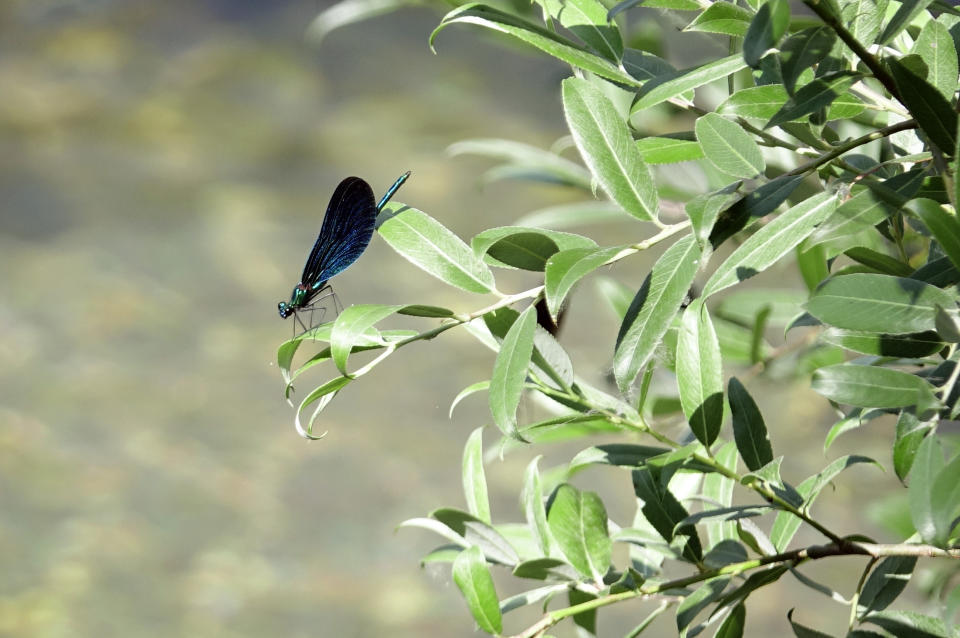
(165, 169)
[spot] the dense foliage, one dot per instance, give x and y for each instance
(826, 136)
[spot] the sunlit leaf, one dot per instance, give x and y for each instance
(653, 309)
(472, 576)
(429, 245)
(605, 143)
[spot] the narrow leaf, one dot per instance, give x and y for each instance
(676, 84)
(654, 308)
(510, 370)
(931, 110)
(729, 147)
(474, 479)
(878, 303)
(700, 373)
(812, 97)
(353, 323)
(472, 577)
(427, 244)
(926, 467)
(943, 224)
(771, 242)
(607, 147)
(567, 267)
(749, 430)
(533, 506)
(578, 521)
(587, 19)
(872, 387)
(543, 39)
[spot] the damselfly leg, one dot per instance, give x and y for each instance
(316, 310)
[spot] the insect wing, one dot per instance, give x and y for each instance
(346, 231)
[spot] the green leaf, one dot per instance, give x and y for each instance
(704, 210)
(352, 324)
(936, 47)
(887, 580)
(719, 489)
(729, 147)
(862, 211)
(578, 522)
(432, 312)
(749, 430)
(604, 141)
(878, 303)
(932, 111)
(755, 102)
(653, 309)
(812, 262)
(699, 600)
(676, 84)
(473, 531)
(533, 506)
(545, 569)
(510, 371)
(733, 624)
(908, 624)
(700, 373)
(910, 434)
(944, 225)
(926, 467)
(771, 242)
(915, 345)
(812, 97)
(586, 621)
(765, 31)
(472, 577)
(669, 150)
(531, 597)
(785, 525)
(515, 243)
(802, 51)
(587, 19)
(945, 499)
(527, 251)
(909, 9)
(536, 36)
(550, 359)
(428, 245)
(567, 267)
(872, 387)
(322, 396)
(722, 17)
(474, 480)
(864, 18)
(759, 203)
(878, 261)
(663, 511)
(620, 454)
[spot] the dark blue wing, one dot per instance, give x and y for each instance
(347, 228)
